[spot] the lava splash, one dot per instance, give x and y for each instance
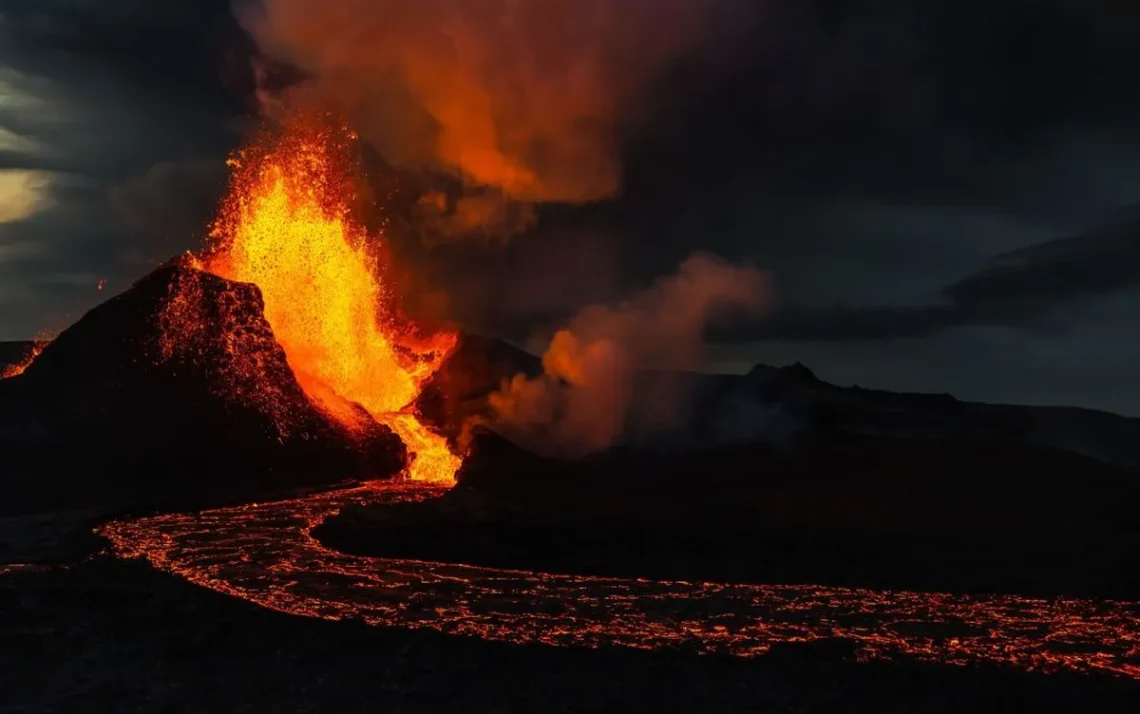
(286, 226)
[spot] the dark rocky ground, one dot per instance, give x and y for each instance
(87, 633)
(100, 635)
(1083, 565)
(112, 636)
(864, 512)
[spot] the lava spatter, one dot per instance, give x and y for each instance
(286, 227)
(18, 368)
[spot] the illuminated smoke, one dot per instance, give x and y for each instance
(520, 99)
(583, 402)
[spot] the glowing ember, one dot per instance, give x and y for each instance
(286, 227)
(15, 370)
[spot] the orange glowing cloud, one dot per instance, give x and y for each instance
(522, 98)
(583, 402)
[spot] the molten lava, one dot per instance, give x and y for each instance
(266, 554)
(15, 370)
(286, 226)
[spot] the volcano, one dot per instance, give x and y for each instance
(278, 355)
(123, 409)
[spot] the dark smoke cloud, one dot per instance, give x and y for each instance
(170, 198)
(1027, 288)
(522, 100)
(96, 99)
(583, 401)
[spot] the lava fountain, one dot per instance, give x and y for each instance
(287, 227)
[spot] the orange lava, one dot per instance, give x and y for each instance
(266, 554)
(286, 227)
(15, 370)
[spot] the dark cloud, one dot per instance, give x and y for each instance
(1057, 271)
(1089, 365)
(1020, 288)
(97, 98)
(927, 92)
(144, 203)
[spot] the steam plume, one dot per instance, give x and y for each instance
(520, 99)
(583, 402)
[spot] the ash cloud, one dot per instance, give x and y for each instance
(585, 400)
(523, 101)
(170, 199)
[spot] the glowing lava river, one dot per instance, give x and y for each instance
(265, 553)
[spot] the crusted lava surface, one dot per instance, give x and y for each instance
(266, 553)
(172, 392)
(109, 635)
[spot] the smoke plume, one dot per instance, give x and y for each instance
(522, 100)
(584, 400)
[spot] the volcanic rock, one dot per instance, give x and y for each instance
(174, 389)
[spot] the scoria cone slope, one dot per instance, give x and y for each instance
(174, 389)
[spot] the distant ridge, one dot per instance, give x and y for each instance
(778, 404)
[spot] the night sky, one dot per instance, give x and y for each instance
(943, 193)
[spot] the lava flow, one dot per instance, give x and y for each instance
(16, 369)
(286, 227)
(266, 554)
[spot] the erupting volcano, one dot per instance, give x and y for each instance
(286, 226)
